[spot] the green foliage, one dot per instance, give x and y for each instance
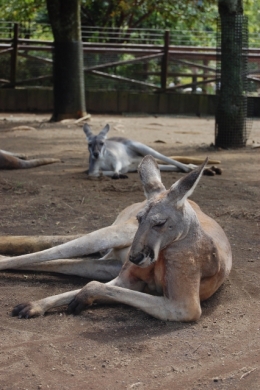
(252, 11)
(118, 13)
(181, 15)
(148, 13)
(23, 10)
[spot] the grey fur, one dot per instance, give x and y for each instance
(117, 156)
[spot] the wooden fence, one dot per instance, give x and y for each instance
(134, 61)
(191, 67)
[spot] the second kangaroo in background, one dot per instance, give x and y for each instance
(116, 156)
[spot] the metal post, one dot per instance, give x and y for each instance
(165, 60)
(14, 55)
(205, 74)
(194, 81)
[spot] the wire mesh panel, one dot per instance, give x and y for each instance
(121, 35)
(34, 67)
(147, 73)
(124, 75)
(125, 59)
(232, 125)
(4, 67)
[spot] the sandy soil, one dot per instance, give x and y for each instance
(118, 347)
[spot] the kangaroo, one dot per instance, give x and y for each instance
(116, 156)
(10, 160)
(167, 245)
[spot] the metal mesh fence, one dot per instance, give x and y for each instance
(34, 60)
(34, 67)
(35, 71)
(136, 73)
(233, 123)
(148, 36)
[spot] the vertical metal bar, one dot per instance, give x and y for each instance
(205, 74)
(165, 60)
(194, 87)
(14, 55)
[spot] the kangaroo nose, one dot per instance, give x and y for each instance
(136, 259)
(95, 154)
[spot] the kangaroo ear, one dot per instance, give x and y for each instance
(184, 187)
(104, 131)
(150, 177)
(87, 131)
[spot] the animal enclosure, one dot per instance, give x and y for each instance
(119, 60)
(118, 347)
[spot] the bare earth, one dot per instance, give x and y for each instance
(118, 347)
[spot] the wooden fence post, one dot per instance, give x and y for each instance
(165, 60)
(14, 56)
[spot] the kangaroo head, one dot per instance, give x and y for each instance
(96, 142)
(167, 215)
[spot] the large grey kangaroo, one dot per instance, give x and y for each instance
(166, 244)
(117, 156)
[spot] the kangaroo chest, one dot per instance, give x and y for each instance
(156, 278)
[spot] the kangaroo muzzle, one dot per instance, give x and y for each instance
(144, 258)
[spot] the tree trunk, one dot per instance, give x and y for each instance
(68, 73)
(232, 104)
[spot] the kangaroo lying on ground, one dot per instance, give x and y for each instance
(10, 160)
(117, 156)
(168, 247)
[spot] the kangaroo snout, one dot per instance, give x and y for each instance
(96, 154)
(145, 258)
(136, 259)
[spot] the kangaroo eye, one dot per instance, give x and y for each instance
(101, 143)
(90, 144)
(159, 224)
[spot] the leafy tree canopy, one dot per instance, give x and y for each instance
(147, 13)
(23, 10)
(186, 14)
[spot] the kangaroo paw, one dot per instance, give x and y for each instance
(119, 176)
(27, 310)
(217, 170)
(208, 172)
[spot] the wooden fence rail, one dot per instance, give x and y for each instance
(198, 61)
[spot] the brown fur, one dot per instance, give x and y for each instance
(8, 161)
(176, 252)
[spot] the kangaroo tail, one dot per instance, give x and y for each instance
(25, 164)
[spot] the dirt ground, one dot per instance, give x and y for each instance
(119, 347)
